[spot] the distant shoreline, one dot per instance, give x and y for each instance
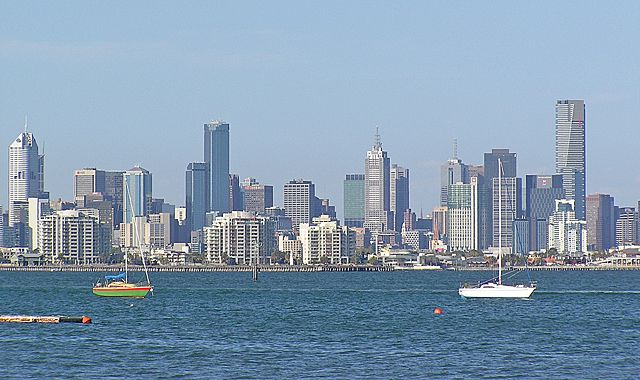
(293, 268)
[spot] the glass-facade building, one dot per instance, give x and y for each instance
(137, 193)
(197, 194)
(571, 151)
(353, 198)
(216, 155)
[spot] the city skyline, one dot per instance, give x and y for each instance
(281, 76)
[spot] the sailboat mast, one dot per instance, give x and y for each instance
(499, 221)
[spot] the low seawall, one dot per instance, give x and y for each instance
(201, 268)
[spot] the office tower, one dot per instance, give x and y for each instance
(399, 194)
(26, 176)
(197, 194)
(567, 234)
(462, 230)
(571, 151)
(408, 220)
(440, 223)
(325, 241)
(299, 201)
(508, 207)
(73, 237)
(88, 181)
(475, 170)
(626, 226)
(454, 171)
(509, 170)
(235, 193)
(257, 198)
(239, 237)
(354, 200)
(114, 190)
(326, 208)
(521, 237)
(601, 222)
(157, 231)
(216, 155)
(377, 210)
(137, 193)
(541, 193)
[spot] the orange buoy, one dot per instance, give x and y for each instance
(86, 320)
(437, 311)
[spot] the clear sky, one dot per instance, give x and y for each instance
(303, 85)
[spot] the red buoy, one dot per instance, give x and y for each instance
(437, 311)
(86, 320)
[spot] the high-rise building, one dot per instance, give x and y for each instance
(26, 176)
(567, 234)
(541, 193)
(240, 237)
(257, 198)
(462, 220)
(235, 193)
(571, 151)
(216, 155)
(114, 190)
(88, 181)
(300, 201)
(508, 160)
(137, 193)
(508, 207)
(197, 194)
(354, 200)
(626, 226)
(521, 237)
(38, 209)
(73, 237)
(399, 194)
(377, 209)
(325, 241)
(601, 222)
(454, 171)
(440, 223)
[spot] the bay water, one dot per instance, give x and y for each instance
(323, 325)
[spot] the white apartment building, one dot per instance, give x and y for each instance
(326, 241)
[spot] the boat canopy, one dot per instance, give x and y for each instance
(114, 277)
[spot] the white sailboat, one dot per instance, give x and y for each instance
(494, 288)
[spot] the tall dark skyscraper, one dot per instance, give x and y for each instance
(235, 193)
(571, 151)
(216, 155)
(509, 170)
(601, 222)
(399, 194)
(197, 194)
(541, 192)
(113, 188)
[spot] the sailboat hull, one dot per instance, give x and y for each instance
(138, 291)
(497, 291)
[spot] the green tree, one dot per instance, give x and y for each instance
(278, 257)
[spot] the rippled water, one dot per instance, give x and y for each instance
(335, 325)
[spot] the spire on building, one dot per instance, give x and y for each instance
(378, 143)
(455, 149)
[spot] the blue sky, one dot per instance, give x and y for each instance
(304, 84)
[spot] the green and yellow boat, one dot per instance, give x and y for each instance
(117, 286)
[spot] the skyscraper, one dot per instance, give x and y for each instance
(137, 193)
(235, 193)
(399, 194)
(508, 207)
(114, 190)
(354, 200)
(454, 171)
(601, 223)
(376, 188)
(26, 175)
(509, 170)
(462, 218)
(216, 155)
(87, 181)
(567, 234)
(571, 151)
(626, 226)
(197, 194)
(257, 198)
(541, 192)
(300, 201)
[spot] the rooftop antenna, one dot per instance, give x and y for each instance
(378, 143)
(26, 123)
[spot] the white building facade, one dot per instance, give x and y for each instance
(325, 241)
(567, 234)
